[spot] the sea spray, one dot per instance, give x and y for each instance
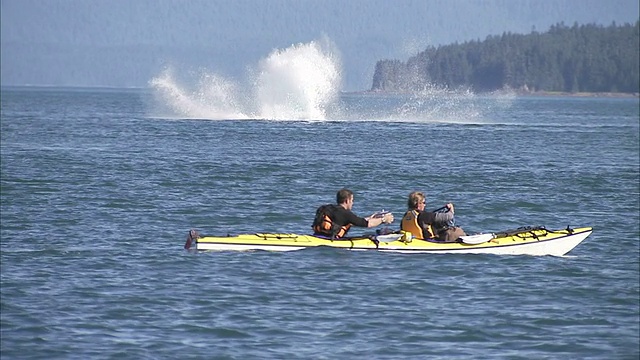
(213, 98)
(298, 83)
(439, 104)
(303, 82)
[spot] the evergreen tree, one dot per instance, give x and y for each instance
(580, 58)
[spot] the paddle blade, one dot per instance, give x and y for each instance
(476, 239)
(191, 237)
(389, 237)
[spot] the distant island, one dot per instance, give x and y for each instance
(578, 60)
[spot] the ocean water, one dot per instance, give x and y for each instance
(100, 186)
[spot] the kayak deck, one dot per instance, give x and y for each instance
(522, 241)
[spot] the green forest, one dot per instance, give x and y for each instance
(581, 58)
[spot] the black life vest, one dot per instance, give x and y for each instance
(324, 224)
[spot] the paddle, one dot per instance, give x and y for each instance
(442, 209)
(477, 239)
(389, 237)
(380, 214)
(191, 237)
(482, 238)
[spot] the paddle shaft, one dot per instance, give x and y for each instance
(440, 209)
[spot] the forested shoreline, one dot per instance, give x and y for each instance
(578, 59)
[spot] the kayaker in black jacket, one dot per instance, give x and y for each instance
(336, 220)
(430, 224)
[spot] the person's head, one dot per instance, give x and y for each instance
(416, 201)
(345, 197)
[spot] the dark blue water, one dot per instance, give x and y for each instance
(98, 192)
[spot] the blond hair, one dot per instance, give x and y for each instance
(414, 199)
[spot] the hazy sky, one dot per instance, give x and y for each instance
(128, 42)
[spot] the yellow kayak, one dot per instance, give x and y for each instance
(522, 241)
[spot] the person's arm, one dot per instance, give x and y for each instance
(377, 221)
(368, 221)
(442, 218)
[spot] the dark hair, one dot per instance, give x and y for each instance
(343, 195)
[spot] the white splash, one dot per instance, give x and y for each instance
(213, 97)
(439, 104)
(303, 82)
(300, 83)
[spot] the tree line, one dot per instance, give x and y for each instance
(580, 58)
